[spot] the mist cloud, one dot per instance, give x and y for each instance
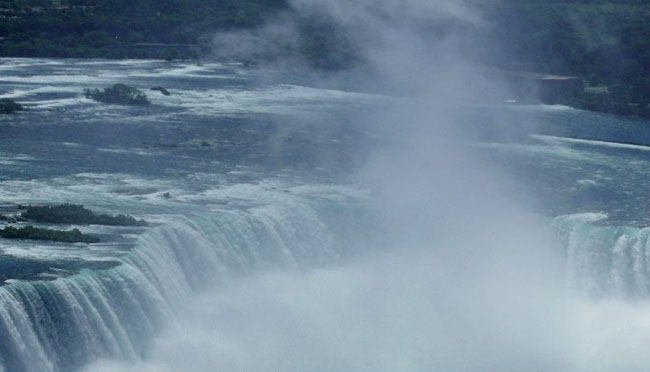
(467, 279)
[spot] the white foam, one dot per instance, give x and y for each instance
(587, 182)
(539, 107)
(15, 159)
(585, 217)
(330, 192)
(66, 78)
(20, 93)
(61, 102)
(557, 108)
(101, 192)
(278, 99)
(545, 150)
(40, 250)
(136, 151)
(121, 62)
(616, 145)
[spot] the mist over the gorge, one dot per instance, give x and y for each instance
(385, 195)
(464, 277)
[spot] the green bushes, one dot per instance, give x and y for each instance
(35, 233)
(77, 214)
(68, 214)
(9, 106)
(120, 94)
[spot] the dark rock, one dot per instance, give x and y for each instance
(9, 106)
(8, 219)
(120, 94)
(161, 90)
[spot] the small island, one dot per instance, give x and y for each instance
(61, 214)
(77, 214)
(37, 233)
(119, 94)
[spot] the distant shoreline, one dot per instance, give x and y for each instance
(574, 91)
(159, 51)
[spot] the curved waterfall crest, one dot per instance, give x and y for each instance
(604, 260)
(64, 323)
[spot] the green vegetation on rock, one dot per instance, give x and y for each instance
(120, 94)
(9, 106)
(35, 233)
(77, 214)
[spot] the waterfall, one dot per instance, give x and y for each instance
(115, 313)
(65, 323)
(61, 324)
(603, 259)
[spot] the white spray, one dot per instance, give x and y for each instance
(466, 280)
